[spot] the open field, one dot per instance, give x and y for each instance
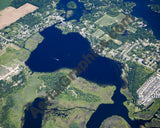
(108, 20)
(154, 123)
(10, 15)
(3, 70)
(75, 96)
(21, 98)
(12, 54)
(131, 29)
(106, 37)
(98, 33)
(82, 97)
(115, 122)
(33, 42)
(8, 45)
(81, 88)
(147, 115)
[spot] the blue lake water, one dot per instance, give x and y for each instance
(77, 13)
(65, 51)
(29, 120)
(141, 10)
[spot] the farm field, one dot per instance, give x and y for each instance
(107, 37)
(108, 20)
(98, 33)
(10, 15)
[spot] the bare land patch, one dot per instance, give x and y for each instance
(10, 15)
(108, 20)
(106, 37)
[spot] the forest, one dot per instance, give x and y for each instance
(38, 3)
(137, 76)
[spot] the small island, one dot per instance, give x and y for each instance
(69, 14)
(71, 5)
(155, 7)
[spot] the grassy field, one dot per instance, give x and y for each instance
(3, 70)
(12, 54)
(108, 20)
(137, 75)
(115, 122)
(50, 124)
(86, 87)
(107, 38)
(98, 33)
(21, 98)
(4, 4)
(80, 93)
(149, 113)
(33, 42)
(154, 123)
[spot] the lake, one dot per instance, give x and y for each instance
(65, 51)
(77, 13)
(141, 10)
(29, 120)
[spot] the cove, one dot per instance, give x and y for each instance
(141, 10)
(29, 120)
